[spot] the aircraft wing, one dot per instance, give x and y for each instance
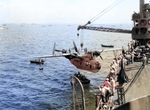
(49, 56)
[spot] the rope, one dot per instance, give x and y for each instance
(105, 10)
(82, 38)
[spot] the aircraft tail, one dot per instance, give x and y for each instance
(54, 49)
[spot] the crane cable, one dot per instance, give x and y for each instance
(97, 16)
(105, 11)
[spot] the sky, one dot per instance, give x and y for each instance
(66, 11)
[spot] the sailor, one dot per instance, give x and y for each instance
(148, 55)
(107, 83)
(114, 65)
(112, 88)
(129, 47)
(122, 77)
(123, 51)
(103, 93)
(127, 57)
(132, 56)
(144, 60)
(112, 85)
(107, 88)
(112, 73)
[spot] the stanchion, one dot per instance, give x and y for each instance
(121, 95)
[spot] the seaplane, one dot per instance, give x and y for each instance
(84, 62)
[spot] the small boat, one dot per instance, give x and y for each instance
(82, 78)
(40, 68)
(3, 27)
(103, 45)
(37, 61)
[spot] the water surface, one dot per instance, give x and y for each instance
(23, 86)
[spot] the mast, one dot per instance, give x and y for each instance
(141, 7)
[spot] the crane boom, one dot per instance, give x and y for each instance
(104, 29)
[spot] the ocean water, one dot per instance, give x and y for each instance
(23, 86)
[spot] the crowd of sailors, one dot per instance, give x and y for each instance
(117, 75)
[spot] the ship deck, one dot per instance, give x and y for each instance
(138, 85)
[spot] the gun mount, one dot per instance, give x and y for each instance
(141, 20)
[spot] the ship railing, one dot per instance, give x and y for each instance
(77, 94)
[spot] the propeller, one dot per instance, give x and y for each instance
(97, 53)
(65, 51)
(75, 47)
(100, 54)
(101, 57)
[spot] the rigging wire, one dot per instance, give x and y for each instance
(106, 10)
(98, 16)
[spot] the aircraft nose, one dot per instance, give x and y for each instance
(99, 66)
